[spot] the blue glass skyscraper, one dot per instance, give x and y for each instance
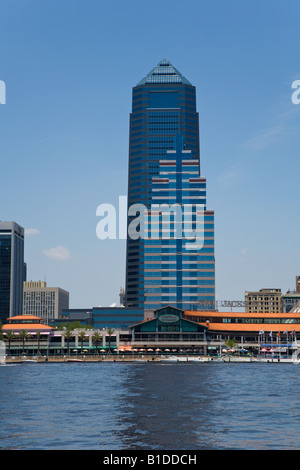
(164, 126)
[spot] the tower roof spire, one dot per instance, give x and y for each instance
(164, 72)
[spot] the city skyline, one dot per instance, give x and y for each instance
(65, 127)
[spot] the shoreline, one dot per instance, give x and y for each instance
(151, 359)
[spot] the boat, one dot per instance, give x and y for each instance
(74, 360)
(28, 361)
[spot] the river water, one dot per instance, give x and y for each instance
(118, 406)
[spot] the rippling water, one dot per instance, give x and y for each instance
(115, 406)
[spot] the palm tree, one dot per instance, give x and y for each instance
(81, 336)
(10, 335)
(38, 334)
(231, 343)
(23, 334)
(68, 335)
(97, 338)
(109, 331)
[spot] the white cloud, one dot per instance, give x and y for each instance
(281, 126)
(268, 136)
(243, 254)
(31, 231)
(229, 177)
(59, 252)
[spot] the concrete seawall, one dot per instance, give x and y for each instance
(143, 359)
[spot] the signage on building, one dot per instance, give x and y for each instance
(222, 304)
(168, 318)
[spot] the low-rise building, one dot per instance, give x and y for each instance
(247, 327)
(103, 317)
(29, 334)
(116, 317)
(74, 315)
(168, 329)
(263, 301)
(290, 301)
(26, 333)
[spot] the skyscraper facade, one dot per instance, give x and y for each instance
(164, 168)
(179, 248)
(12, 269)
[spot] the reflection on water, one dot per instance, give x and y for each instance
(113, 406)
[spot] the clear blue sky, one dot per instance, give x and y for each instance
(69, 68)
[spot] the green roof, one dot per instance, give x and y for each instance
(164, 72)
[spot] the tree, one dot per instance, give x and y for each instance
(10, 335)
(230, 343)
(68, 335)
(81, 336)
(38, 334)
(23, 335)
(110, 332)
(97, 338)
(73, 325)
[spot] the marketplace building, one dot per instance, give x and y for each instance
(169, 331)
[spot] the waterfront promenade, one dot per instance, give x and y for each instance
(151, 359)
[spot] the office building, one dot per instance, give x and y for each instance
(263, 301)
(12, 269)
(164, 167)
(102, 317)
(116, 317)
(44, 302)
